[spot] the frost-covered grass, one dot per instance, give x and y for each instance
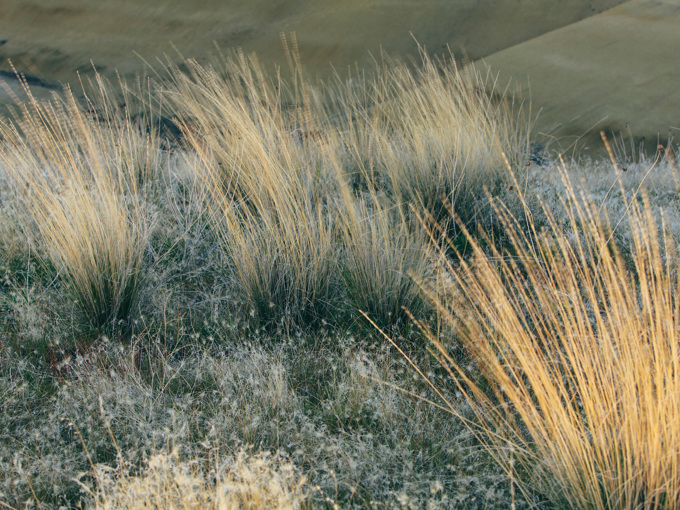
(181, 321)
(327, 408)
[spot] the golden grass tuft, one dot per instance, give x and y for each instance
(81, 183)
(382, 261)
(580, 357)
(267, 185)
(291, 170)
(440, 138)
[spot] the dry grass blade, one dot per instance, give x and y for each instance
(80, 186)
(248, 482)
(582, 354)
(610, 152)
(268, 187)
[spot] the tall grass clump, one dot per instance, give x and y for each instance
(382, 260)
(79, 179)
(275, 156)
(266, 177)
(438, 136)
(579, 352)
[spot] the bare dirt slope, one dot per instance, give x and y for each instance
(586, 64)
(61, 36)
(617, 70)
(55, 38)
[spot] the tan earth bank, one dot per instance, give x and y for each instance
(588, 64)
(616, 71)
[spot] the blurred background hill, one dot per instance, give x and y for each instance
(587, 65)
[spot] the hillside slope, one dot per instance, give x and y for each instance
(54, 39)
(615, 71)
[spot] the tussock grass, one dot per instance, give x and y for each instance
(276, 160)
(78, 178)
(382, 261)
(579, 354)
(438, 137)
(269, 193)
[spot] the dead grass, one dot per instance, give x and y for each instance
(579, 355)
(79, 179)
(246, 482)
(267, 187)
